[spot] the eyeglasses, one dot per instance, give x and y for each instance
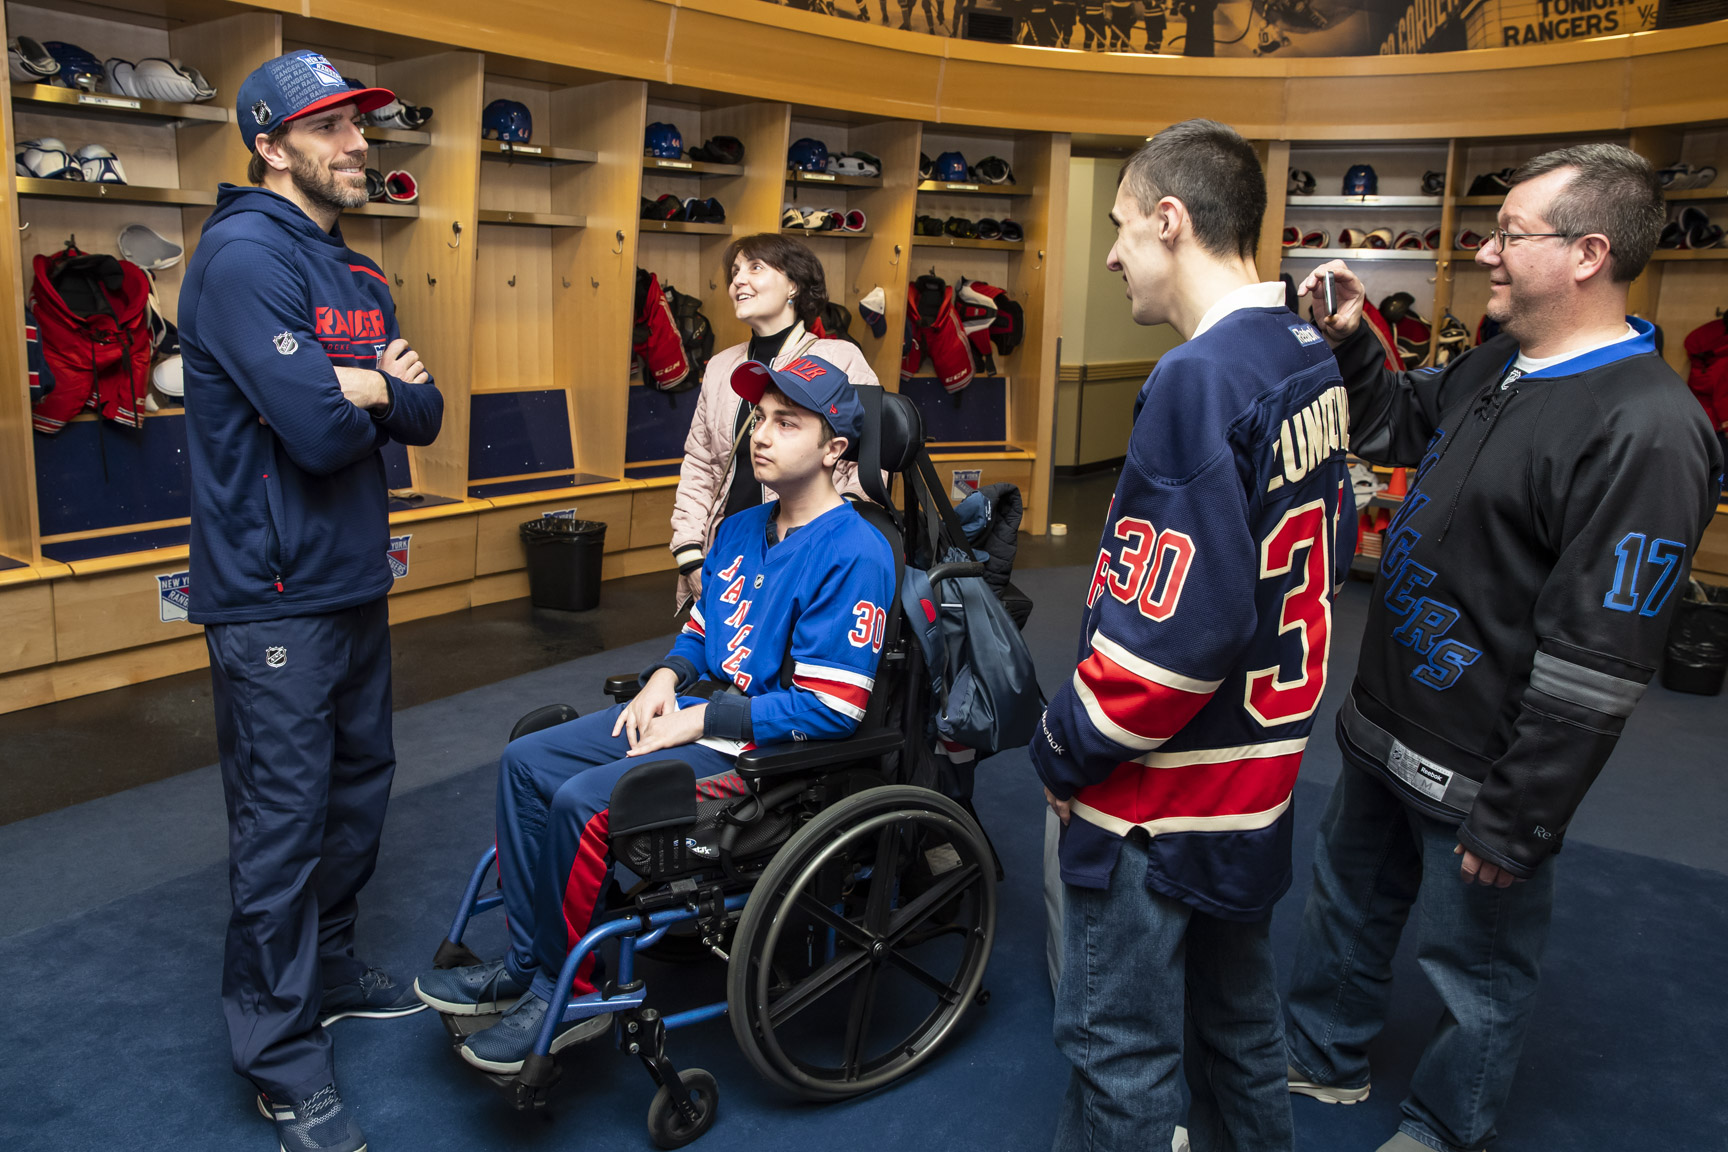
(1502, 237)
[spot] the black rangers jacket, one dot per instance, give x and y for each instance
(1523, 597)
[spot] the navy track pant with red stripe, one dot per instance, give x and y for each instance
(554, 787)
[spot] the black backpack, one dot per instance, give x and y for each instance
(695, 331)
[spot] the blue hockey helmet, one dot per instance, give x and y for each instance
(951, 166)
(664, 141)
(78, 68)
(807, 155)
(507, 120)
(1361, 181)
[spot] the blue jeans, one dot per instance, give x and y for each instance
(1135, 965)
(1481, 948)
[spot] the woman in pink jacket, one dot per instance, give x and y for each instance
(777, 288)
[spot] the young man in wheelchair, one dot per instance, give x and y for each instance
(804, 574)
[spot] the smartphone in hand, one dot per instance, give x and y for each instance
(1331, 296)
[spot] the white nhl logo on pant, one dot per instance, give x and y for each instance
(275, 657)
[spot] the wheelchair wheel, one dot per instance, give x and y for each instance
(666, 1127)
(864, 943)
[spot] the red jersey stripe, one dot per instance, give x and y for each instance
(378, 276)
(850, 693)
(1128, 708)
(1138, 794)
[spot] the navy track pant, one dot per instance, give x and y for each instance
(554, 857)
(303, 727)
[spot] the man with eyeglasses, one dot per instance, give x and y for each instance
(1564, 477)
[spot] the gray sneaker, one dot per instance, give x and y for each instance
(1325, 1093)
(319, 1123)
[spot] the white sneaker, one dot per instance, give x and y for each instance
(1325, 1093)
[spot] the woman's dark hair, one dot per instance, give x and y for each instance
(793, 260)
(255, 168)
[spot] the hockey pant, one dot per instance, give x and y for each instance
(554, 789)
(303, 731)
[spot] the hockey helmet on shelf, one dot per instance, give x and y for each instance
(508, 121)
(78, 68)
(950, 167)
(1360, 180)
(807, 155)
(47, 158)
(1301, 183)
(1433, 183)
(993, 170)
(663, 141)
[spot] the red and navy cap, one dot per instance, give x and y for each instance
(295, 85)
(809, 382)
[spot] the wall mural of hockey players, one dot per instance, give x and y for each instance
(1264, 27)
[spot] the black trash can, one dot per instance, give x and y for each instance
(564, 562)
(1697, 655)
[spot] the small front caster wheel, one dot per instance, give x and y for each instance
(668, 1127)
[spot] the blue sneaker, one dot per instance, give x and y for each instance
(504, 1046)
(477, 990)
(375, 996)
(319, 1123)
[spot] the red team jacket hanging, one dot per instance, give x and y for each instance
(94, 339)
(655, 340)
(1707, 353)
(933, 318)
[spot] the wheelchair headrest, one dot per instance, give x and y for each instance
(901, 433)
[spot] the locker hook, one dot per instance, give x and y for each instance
(593, 282)
(895, 263)
(456, 230)
(619, 236)
(566, 280)
(512, 280)
(430, 279)
(399, 280)
(24, 225)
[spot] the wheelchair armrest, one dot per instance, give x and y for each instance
(623, 687)
(954, 569)
(810, 755)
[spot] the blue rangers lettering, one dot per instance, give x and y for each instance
(1426, 620)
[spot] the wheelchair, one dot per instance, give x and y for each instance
(849, 892)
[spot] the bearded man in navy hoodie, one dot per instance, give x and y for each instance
(296, 378)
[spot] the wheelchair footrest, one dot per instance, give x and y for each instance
(451, 955)
(462, 1027)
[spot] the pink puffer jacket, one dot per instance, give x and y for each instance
(706, 474)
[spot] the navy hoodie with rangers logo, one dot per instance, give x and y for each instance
(290, 507)
(1523, 596)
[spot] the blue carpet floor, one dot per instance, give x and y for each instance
(111, 927)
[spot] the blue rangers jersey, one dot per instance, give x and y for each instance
(824, 590)
(1208, 620)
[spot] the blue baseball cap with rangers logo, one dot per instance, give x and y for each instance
(809, 382)
(295, 85)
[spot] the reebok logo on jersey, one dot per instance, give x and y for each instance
(1311, 436)
(1305, 333)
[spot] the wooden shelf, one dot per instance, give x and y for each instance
(1480, 201)
(113, 193)
(956, 242)
(1466, 254)
(410, 136)
(832, 179)
(831, 234)
(1363, 202)
(45, 98)
(1683, 254)
(686, 226)
(535, 153)
(689, 167)
(536, 219)
(385, 208)
(970, 189)
(1697, 194)
(1357, 254)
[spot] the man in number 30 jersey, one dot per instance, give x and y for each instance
(1171, 753)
